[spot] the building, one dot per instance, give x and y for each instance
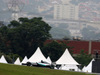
(90, 47)
(65, 1)
(66, 10)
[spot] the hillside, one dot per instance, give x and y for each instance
(7, 69)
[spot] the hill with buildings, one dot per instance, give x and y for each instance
(86, 10)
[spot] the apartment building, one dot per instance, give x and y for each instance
(66, 10)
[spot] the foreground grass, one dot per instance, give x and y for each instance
(7, 69)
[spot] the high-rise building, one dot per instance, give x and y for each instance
(65, 1)
(66, 10)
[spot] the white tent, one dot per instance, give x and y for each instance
(25, 60)
(84, 69)
(67, 62)
(66, 58)
(88, 68)
(70, 67)
(17, 62)
(3, 60)
(49, 60)
(37, 56)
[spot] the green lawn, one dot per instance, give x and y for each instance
(7, 69)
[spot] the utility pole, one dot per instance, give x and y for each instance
(15, 6)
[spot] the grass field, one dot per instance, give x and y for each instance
(7, 69)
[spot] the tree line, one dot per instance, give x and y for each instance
(21, 38)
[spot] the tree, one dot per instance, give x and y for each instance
(26, 35)
(3, 39)
(54, 49)
(83, 58)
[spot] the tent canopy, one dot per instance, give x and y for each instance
(3, 60)
(37, 56)
(25, 60)
(66, 58)
(49, 60)
(17, 62)
(88, 68)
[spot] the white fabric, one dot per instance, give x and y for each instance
(17, 62)
(37, 56)
(88, 68)
(25, 60)
(66, 58)
(49, 60)
(3, 60)
(84, 69)
(69, 67)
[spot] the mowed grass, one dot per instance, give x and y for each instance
(7, 69)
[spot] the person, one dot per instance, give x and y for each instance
(96, 55)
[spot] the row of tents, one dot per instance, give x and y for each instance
(18, 62)
(66, 61)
